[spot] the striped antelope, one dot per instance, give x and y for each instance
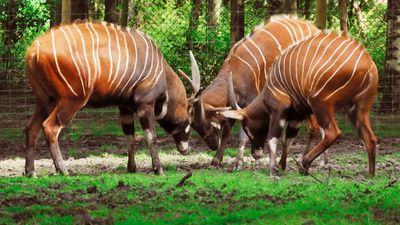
(99, 64)
(320, 75)
(248, 61)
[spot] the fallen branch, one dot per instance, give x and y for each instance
(183, 180)
(307, 173)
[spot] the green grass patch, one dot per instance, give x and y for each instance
(208, 197)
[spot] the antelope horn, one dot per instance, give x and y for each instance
(195, 81)
(231, 93)
(195, 72)
(199, 110)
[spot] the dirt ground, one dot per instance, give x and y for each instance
(93, 155)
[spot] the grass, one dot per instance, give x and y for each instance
(208, 197)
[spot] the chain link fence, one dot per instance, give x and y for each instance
(176, 26)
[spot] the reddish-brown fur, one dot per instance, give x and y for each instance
(331, 73)
(248, 78)
(98, 64)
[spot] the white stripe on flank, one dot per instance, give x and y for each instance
(352, 75)
(288, 30)
(97, 51)
(144, 65)
(93, 53)
(109, 52)
(155, 71)
(262, 56)
(126, 62)
(81, 67)
(84, 54)
(304, 76)
(251, 68)
(309, 75)
(258, 65)
(119, 55)
(151, 62)
(299, 80)
(58, 67)
(273, 37)
(301, 31)
(333, 75)
(331, 64)
(158, 76)
(73, 60)
(369, 84)
(294, 30)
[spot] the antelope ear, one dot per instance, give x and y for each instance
(232, 114)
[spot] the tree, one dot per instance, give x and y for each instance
(237, 20)
(79, 9)
(275, 7)
(111, 11)
(343, 15)
(307, 9)
(124, 13)
(193, 22)
(213, 12)
(65, 11)
(320, 17)
(390, 102)
(291, 6)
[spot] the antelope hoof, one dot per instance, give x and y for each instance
(239, 165)
(159, 171)
(274, 177)
(282, 164)
(31, 174)
(216, 162)
(132, 169)
(304, 168)
(257, 154)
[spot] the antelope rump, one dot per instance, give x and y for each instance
(99, 64)
(319, 76)
(248, 61)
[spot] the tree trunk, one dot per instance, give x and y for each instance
(66, 11)
(307, 9)
(258, 4)
(237, 20)
(124, 13)
(291, 7)
(360, 18)
(275, 7)
(55, 11)
(193, 22)
(343, 15)
(111, 11)
(213, 12)
(79, 10)
(320, 17)
(179, 3)
(390, 102)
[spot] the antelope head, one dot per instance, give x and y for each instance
(254, 119)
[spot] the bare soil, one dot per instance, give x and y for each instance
(94, 155)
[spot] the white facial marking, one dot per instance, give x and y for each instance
(322, 132)
(216, 125)
(183, 145)
(187, 129)
(282, 122)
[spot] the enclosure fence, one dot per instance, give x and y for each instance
(172, 25)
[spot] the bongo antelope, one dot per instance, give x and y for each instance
(99, 64)
(319, 76)
(248, 61)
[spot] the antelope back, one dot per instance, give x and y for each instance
(327, 70)
(251, 58)
(99, 59)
